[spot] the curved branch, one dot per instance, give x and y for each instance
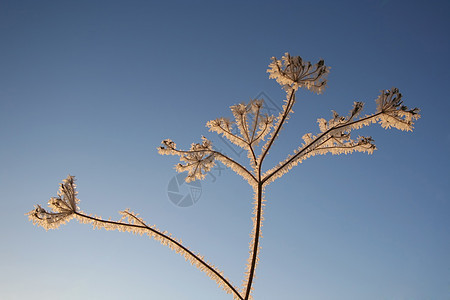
(362, 121)
(171, 242)
(262, 131)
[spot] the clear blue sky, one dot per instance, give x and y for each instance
(91, 88)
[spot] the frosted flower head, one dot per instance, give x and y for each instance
(391, 101)
(394, 113)
(62, 207)
(167, 148)
(198, 161)
(239, 109)
(293, 73)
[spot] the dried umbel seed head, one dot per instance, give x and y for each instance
(293, 73)
(62, 207)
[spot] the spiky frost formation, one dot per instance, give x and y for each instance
(394, 113)
(293, 73)
(62, 208)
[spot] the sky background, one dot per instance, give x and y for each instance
(91, 88)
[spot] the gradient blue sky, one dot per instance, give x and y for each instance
(90, 88)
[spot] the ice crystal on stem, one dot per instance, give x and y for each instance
(253, 127)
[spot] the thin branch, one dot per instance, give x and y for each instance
(236, 164)
(187, 252)
(255, 124)
(280, 125)
(231, 134)
(301, 152)
(245, 128)
(253, 154)
(262, 132)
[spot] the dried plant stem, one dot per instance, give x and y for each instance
(291, 73)
(258, 209)
(187, 253)
(223, 158)
(287, 110)
(255, 243)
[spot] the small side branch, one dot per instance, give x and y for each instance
(316, 143)
(169, 148)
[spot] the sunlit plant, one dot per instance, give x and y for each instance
(256, 133)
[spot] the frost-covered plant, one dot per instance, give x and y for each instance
(256, 134)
